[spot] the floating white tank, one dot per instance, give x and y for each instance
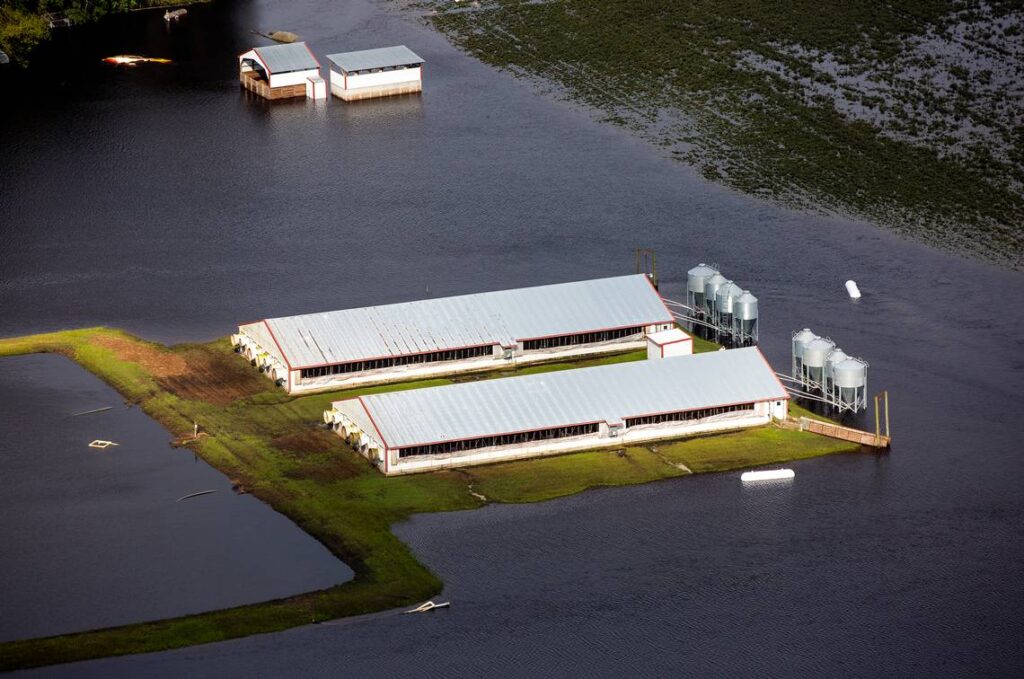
(711, 291)
(815, 353)
(696, 278)
(850, 384)
(800, 340)
(767, 475)
(744, 319)
(852, 289)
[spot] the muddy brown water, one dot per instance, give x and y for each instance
(164, 200)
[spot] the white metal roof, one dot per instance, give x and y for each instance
(382, 57)
(670, 336)
(608, 393)
(286, 58)
(500, 317)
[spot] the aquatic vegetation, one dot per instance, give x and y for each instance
(905, 114)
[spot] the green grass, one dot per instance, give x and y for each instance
(745, 91)
(271, 445)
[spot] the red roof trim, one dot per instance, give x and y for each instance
(274, 337)
(306, 45)
(660, 298)
(375, 427)
(772, 371)
(263, 61)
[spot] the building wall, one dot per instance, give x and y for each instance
(656, 351)
(350, 420)
(414, 372)
(381, 78)
(631, 436)
(256, 338)
(293, 78)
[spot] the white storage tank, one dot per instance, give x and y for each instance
(815, 353)
(696, 278)
(800, 340)
(711, 287)
(744, 320)
(725, 299)
(851, 384)
(835, 357)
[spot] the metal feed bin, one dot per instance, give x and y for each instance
(696, 278)
(850, 384)
(800, 340)
(815, 353)
(711, 287)
(744, 320)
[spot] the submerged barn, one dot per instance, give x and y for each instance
(375, 73)
(534, 415)
(280, 71)
(431, 337)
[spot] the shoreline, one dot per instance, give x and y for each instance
(272, 446)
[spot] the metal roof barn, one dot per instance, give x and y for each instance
(490, 318)
(609, 394)
(383, 57)
(287, 58)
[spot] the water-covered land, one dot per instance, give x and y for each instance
(146, 198)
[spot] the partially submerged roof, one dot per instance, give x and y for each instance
(501, 317)
(610, 393)
(382, 57)
(286, 58)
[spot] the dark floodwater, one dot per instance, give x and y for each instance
(93, 538)
(164, 200)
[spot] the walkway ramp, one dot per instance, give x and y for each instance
(837, 431)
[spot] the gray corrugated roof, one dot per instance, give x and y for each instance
(601, 394)
(383, 57)
(500, 317)
(284, 58)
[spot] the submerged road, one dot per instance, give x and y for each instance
(165, 201)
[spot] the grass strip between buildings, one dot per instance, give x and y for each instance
(273, 446)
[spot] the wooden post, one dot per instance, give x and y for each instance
(878, 426)
(887, 414)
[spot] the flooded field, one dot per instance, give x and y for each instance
(164, 200)
(95, 538)
(902, 114)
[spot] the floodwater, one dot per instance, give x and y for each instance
(94, 538)
(164, 200)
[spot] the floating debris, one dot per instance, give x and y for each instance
(101, 444)
(91, 412)
(852, 289)
(279, 36)
(174, 15)
(133, 60)
(768, 475)
(429, 606)
(190, 495)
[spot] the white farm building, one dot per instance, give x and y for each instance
(534, 415)
(279, 71)
(431, 337)
(372, 73)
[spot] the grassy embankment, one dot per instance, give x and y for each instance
(895, 112)
(272, 446)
